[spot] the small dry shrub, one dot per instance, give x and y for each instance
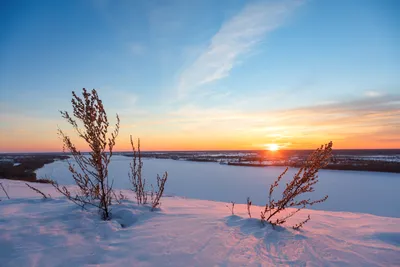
(135, 174)
(156, 195)
(139, 182)
(248, 206)
(232, 207)
(303, 182)
(90, 173)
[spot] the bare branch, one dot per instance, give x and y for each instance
(37, 191)
(299, 225)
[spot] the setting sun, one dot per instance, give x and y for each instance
(272, 147)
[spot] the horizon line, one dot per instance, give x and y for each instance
(210, 150)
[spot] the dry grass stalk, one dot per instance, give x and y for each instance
(303, 182)
(1, 184)
(91, 172)
(38, 191)
(248, 206)
(135, 175)
(156, 195)
(232, 208)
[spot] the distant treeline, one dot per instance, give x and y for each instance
(23, 166)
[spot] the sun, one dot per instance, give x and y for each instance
(272, 147)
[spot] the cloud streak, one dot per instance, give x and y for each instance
(235, 38)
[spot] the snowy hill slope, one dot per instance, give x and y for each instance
(185, 232)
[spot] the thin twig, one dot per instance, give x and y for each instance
(5, 190)
(232, 208)
(37, 191)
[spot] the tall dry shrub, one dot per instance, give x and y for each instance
(139, 182)
(303, 182)
(90, 173)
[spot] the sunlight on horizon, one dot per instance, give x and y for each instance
(272, 147)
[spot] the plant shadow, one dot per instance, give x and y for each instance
(387, 237)
(268, 233)
(280, 244)
(129, 213)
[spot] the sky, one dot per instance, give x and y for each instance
(204, 74)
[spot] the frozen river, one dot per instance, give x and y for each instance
(365, 192)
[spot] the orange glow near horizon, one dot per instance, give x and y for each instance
(180, 144)
(197, 130)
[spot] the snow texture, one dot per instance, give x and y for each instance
(184, 232)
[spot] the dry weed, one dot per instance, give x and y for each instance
(303, 182)
(90, 173)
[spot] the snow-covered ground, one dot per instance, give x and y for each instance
(185, 232)
(366, 192)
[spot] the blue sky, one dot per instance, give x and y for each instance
(205, 74)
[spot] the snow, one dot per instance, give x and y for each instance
(354, 191)
(184, 232)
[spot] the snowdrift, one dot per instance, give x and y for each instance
(184, 232)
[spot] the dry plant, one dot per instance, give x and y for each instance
(90, 173)
(139, 182)
(38, 191)
(232, 208)
(135, 175)
(303, 182)
(248, 206)
(156, 195)
(1, 184)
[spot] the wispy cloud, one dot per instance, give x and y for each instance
(235, 38)
(373, 93)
